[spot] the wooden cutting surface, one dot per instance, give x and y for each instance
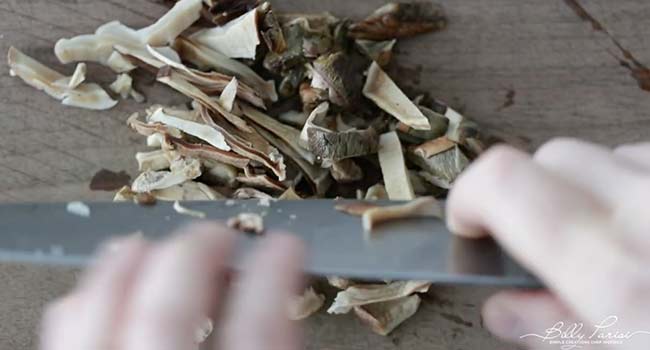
(532, 68)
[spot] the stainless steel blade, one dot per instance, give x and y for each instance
(407, 249)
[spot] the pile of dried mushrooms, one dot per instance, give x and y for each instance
(279, 106)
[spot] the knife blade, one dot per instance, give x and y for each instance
(418, 248)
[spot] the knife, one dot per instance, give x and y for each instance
(417, 248)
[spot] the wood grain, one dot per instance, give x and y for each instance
(528, 67)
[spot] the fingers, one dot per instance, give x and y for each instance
(176, 287)
(87, 318)
(257, 318)
(591, 167)
(555, 229)
(523, 317)
(637, 153)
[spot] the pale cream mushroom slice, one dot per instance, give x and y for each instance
(182, 15)
(180, 171)
(228, 95)
(420, 207)
(123, 86)
(187, 191)
(359, 295)
(302, 306)
(55, 84)
(78, 77)
(237, 39)
(153, 160)
(187, 211)
(393, 168)
(381, 89)
(384, 317)
(201, 131)
(316, 114)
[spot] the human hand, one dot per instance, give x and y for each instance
(576, 215)
(141, 295)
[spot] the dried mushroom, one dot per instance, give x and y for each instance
(55, 84)
(187, 211)
(279, 106)
(398, 20)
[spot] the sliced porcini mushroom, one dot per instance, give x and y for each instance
(460, 128)
(141, 56)
(236, 39)
(439, 124)
(98, 47)
(123, 85)
(249, 144)
(306, 304)
(378, 51)
(293, 118)
(180, 171)
(78, 77)
(398, 20)
(433, 147)
(223, 11)
(311, 97)
(247, 222)
(187, 211)
(272, 33)
(339, 282)
(384, 317)
(317, 114)
(393, 168)
(201, 131)
(284, 132)
(173, 23)
(359, 295)
(386, 95)
(261, 181)
(441, 169)
(355, 208)
(220, 173)
(250, 193)
(154, 160)
(346, 171)
(290, 195)
(318, 177)
(178, 83)
(340, 72)
(55, 84)
(205, 58)
(151, 129)
(376, 192)
(228, 95)
(205, 152)
(331, 146)
(420, 207)
(187, 191)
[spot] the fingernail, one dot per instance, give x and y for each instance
(502, 320)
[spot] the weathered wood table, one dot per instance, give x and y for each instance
(529, 67)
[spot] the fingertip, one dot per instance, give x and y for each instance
(500, 318)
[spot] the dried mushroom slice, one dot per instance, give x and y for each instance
(420, 207)
(205, 58)
(290, 195)
(433, 147)
(262, 181)
(378, 51)
(346, 171)
(443, 168)
(228, 95)
(180, 171)
(204, 152)
(357, 208)
(393, 168)
(154, 160)
(384, 317)
(78, 77)
(306, 304)
(329, 146)
(340, 72)
(224, 11)
(250, 193)
(123, 85)
(150, 129)
(386, 95)
(53, 83)
(187, 191)
(339, 282)
(376, 192)
(398, 20)
(187, 211)
(247, 222)
(201, 131)
(360, 295)
(237, 39)
(173, 23)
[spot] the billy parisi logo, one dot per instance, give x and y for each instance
(569, 336)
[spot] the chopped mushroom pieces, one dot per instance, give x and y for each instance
(306, 304)
(278, 107)
(247, 222)
(78, 208)
(421, 207)
(359, 295)
(187, 211)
